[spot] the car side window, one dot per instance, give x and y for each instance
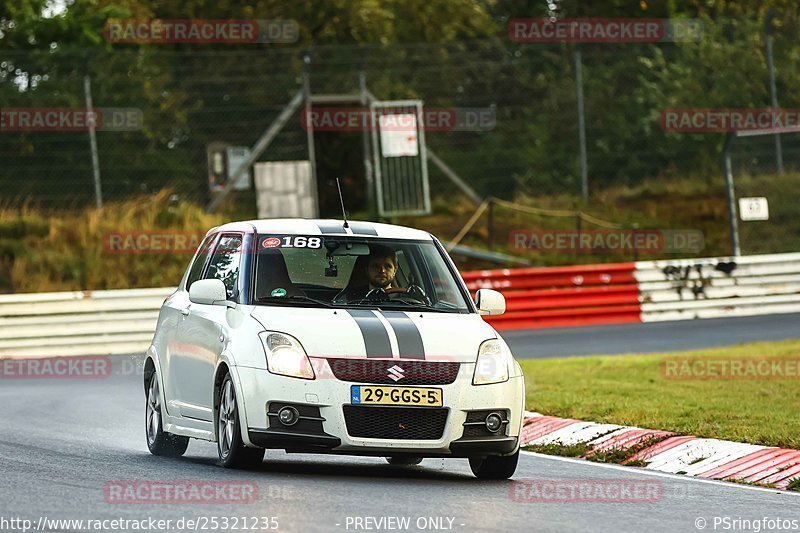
(224, 263)
(200, 261)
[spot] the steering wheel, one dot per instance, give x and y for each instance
(416, 292)
(376, 295)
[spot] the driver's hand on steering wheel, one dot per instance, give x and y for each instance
(412, 291)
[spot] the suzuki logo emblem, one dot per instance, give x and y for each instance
(396, 373)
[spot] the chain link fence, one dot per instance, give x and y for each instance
(188, 100)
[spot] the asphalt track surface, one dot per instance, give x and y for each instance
(651, 337)
(63, 440)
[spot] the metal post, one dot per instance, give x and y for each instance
(92, 119)
(312, 158)
(581, 125)
(732, 215)
(490, 224)
(370, 179)
(773, 91)
(774, 97)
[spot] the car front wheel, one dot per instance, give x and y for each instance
(493, 466)
(232, 451)
(159, 442)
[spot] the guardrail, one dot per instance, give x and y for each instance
(122, 321)
(79, 323)
(687, 289)
(562, 296)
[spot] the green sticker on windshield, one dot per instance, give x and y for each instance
(280, 293)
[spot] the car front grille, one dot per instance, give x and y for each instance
(399, 423)
(383, 371)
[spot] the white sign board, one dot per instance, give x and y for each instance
(236, 156)
(285, 189)
(399, 135)
(755, 208)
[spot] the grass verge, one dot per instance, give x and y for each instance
(632, 390)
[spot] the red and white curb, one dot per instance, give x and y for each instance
(691, 456)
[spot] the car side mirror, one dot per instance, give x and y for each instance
(490, 302)
(209, 292)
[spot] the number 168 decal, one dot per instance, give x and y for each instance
(292, 241)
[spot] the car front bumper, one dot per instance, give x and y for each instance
(326, 398)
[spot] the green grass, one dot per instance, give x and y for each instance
(582, 449)
(690, 204)
(630, 390)
(53, 250)
(42, 250)
(556, 448)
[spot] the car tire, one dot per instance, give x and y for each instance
(159, 442)
(403, 461)
(494, 466)
(231, 449)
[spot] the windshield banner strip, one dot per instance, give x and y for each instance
(409, 340)
(376, 338)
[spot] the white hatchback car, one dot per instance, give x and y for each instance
(321, 336)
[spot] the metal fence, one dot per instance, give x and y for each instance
(190, 99)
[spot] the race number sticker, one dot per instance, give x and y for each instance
(292, 241)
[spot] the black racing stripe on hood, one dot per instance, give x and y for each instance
(409, 340)
(376, 338)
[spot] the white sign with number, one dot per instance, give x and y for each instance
(755, 208)
(399, 135)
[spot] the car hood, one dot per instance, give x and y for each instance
(362, 333)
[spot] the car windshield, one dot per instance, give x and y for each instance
(341, 271)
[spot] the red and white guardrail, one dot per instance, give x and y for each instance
(122, 321)
(644, 291)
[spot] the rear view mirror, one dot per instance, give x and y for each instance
(490, 302)
(349, 249)
(209, 292)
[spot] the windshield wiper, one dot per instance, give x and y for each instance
(399, 304)
(296, 299)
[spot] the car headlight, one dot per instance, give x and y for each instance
(286, 356)
(493, 363)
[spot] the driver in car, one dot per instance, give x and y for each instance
(381, 270)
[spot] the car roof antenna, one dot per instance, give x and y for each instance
(341, 199)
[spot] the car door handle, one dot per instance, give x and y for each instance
(185, 312)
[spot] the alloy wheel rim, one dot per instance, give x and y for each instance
(153, 411)
(225, 426)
